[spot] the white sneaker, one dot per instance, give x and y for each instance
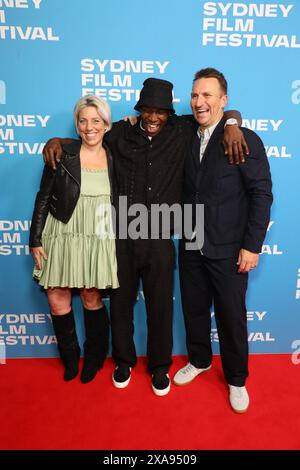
(187, 374)
(239, 398)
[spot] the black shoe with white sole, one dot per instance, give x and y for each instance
(161, 383)
(121, 376)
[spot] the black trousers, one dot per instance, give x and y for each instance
(205, 281)
(153, 261)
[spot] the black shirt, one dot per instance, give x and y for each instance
(150, 171)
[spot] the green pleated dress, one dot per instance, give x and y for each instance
(82, 252)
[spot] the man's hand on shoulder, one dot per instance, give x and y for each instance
(235, 144)
(52, 152)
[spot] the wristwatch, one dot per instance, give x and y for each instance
(231, 122)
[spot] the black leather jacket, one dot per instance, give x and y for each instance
(60, 190)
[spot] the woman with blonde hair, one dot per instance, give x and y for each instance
(72, 241)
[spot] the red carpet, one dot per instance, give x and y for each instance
(40, 411)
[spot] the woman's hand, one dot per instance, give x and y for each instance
(131, 119)
(235, 144)
(37, 253)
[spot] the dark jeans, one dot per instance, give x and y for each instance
(205, 281)
(153, 261)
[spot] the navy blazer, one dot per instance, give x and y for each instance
(236, 198)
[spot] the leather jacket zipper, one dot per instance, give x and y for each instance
(70, 174)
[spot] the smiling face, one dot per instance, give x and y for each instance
(91, 126)
(153, 119)
(207, 101)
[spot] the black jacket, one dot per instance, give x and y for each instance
(60, 190)
(236, 198)
(150, 171)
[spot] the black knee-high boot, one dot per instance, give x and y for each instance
(67, 342)
(96, 324)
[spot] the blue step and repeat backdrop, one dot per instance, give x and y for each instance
(53, 51)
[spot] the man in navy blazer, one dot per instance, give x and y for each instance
(237, 201)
